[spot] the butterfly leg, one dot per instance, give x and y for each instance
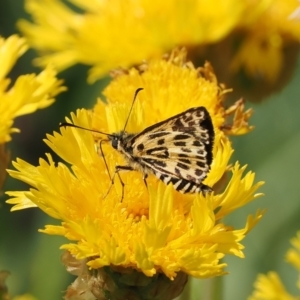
(145, 180)
(117, 170)
(112, 181)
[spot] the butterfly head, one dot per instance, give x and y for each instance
(115, 140)
(120, 139)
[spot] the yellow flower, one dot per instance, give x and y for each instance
(121, 33)
(29, 92)
(270, 287)
(269, 31)
(115, 33)
(295, 14)
(150, 230)
(293, 255)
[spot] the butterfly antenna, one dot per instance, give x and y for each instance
(100, 143)
(134, 98)
(65, 124)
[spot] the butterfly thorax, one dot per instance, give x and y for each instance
(122, 142)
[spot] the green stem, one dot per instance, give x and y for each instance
(216, 288)
(205, 289)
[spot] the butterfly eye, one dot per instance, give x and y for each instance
(115, 142)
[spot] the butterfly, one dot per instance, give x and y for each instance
(177, 150)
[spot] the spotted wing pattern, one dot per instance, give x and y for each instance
(177, 150)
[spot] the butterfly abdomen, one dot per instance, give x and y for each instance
(184, 186)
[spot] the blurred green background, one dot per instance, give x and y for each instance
(272, 151)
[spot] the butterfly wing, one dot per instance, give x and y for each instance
(177, 148)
